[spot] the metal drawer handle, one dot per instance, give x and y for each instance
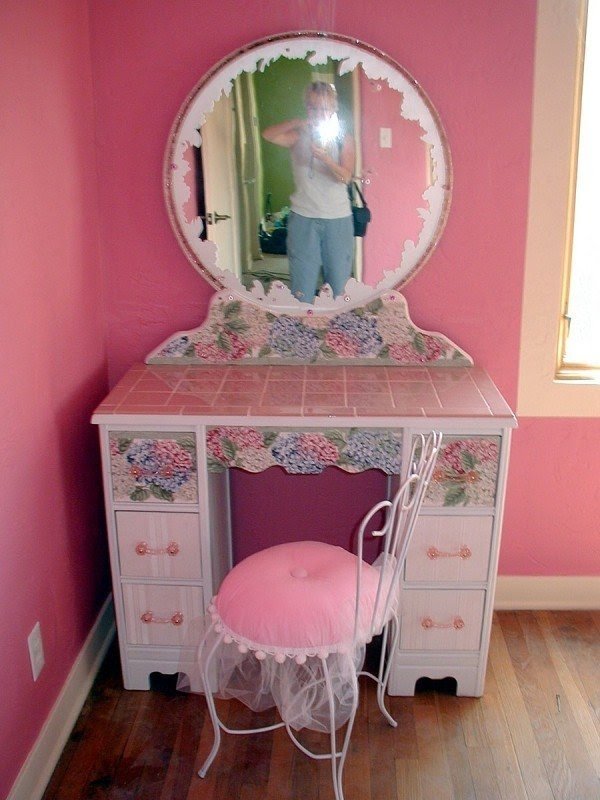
(457, 623)
(142, 549)
(464, 552)
(148, 617)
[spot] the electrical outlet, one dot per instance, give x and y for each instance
(36, 650)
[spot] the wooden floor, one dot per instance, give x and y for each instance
(534, 735)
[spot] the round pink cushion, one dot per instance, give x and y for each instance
(296, 596)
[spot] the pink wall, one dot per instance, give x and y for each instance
(474, 59)
(53, 565)
(398, 177)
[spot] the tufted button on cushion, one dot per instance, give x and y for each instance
(295, 596)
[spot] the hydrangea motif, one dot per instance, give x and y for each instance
(158, 466)
(375, 450)
(304, 453)
(223, 442)
(176, 347)
(228, 347)
(356, 332)
(289, 337)
(465, 473)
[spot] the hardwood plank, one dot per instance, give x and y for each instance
(514, 743)
(508, 726)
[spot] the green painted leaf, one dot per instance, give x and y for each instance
(160, 493)
(123, 445)
(232, 309)
(455, 496)
(375, 305)
(467, 460)
(264, 351)
(269, 437)
(271, 317)
(190, 351)
(419, 343)
(214, 465)
(139, 494)
(384, 352)
(228, 448)
(223, 341)
(337, 438)
(188, 443)
(236, 325)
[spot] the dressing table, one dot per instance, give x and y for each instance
(267, 382)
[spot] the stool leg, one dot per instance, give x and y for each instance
(383, 675)
(337, 768)
(210, 702)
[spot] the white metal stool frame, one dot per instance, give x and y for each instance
(401, 516)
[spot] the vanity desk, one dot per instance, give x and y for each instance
(268, 382)
(170, 433)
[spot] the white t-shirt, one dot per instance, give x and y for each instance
(318, 193)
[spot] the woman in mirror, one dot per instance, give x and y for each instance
(320, 226)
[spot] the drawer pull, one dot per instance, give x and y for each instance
(148, 617)
(457, 623)
(142, 549)
(464, 552)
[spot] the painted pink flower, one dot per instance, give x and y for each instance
(406, 354)
(241, 438)
(318, 445)
(341, 344)
(212, 352)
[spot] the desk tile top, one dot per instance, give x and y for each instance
(306, 391)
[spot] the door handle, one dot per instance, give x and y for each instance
(212, 219)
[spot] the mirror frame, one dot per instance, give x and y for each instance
(377, 66)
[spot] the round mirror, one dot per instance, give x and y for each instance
(307, 169)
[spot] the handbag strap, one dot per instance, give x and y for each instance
(354, 186)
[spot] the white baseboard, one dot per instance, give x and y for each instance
(43, 758)
(567, 593)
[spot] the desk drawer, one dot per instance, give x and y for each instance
(441, 619)
(159, 545)
(162, 615)
(466, 472)
(449, 549)
(154, 467)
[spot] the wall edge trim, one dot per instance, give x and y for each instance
(43, 757)
(552, 593)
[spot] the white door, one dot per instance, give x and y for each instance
(220, 184)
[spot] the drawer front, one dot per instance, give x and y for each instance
(466, 472)
(441, 619)
(153, 467)
(449, 549)
(158, 545)
(162, 615)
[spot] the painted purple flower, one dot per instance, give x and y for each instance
(304, 453)
(176, 347)
(161, 463)
(289, 337)
(375, 450)
(358, 331)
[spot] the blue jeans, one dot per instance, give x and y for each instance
(313, 243)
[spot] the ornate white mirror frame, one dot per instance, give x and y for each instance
(378, 73)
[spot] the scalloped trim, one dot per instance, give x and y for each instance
(262, 651)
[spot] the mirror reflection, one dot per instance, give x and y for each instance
(281, 156)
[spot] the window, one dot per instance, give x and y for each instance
(556, 101)
(580, 333)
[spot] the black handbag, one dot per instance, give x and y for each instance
(360, 214)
